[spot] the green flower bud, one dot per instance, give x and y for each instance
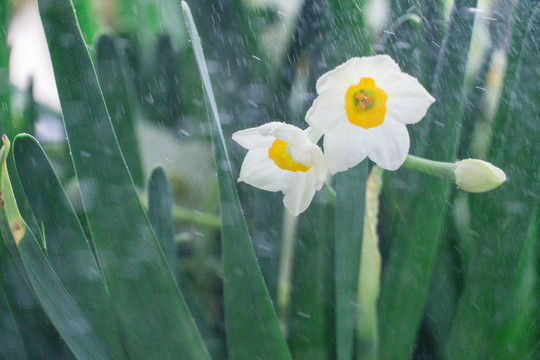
(478, 176)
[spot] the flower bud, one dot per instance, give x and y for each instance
(478, 176)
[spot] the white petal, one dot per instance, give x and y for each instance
(327, 110)
(407, 100)
(320, 171)
(299, 189)
(290, 134)
(344, 147)
(350, 72)
(388, 144)
(260, 171)
(248, 138)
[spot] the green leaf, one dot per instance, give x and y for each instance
(495, 313)
(153, 313)
(350, 205)
(417, 237)
(160, 205)
(309, 333)
(68, 251)
(523, 10)
(11, 343)
(111, 71)
(87, 17)
(5, 96)
(67, 317)
(252, 326)
(38, 334)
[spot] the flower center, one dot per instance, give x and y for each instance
(278, 154)
(365, 104)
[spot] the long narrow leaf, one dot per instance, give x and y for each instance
(499, 288)
(111, 72)
(160, 214)
(155, 319)
(407, 274)
(11, 343)
(67, 317)
(252, 326)
(68, 250)
(5, 98)
(350, 208)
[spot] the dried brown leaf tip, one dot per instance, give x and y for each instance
(17, 230)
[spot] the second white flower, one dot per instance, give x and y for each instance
(282, 158)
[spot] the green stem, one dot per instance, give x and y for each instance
(331, 193)
(184, 214)
(438, 168)
(288, 242)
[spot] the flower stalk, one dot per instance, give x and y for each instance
(471, 175)
(438, 168)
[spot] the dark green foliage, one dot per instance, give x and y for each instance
(349, 226)
(78, 333)
(11, 343)
(246, 299)
(67, 249)
(416, 241)
(111, 69)
(160, 214)
(497, 312)
(5, 98)
(115, 216)
(309, 321)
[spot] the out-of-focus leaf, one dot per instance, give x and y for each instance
(5, 98)
(67, 317)
(68, 251)
(40, 338)
(522, 11)
(252, 326)
(417, 237)
(160, 214)
(496, 314)
(350, 208)
(309, 331)
(111, 71)
(154, 317)
(166, 85)
(87, 18)
(11, 343)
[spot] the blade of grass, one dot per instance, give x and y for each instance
(350, 207)
(110, 69)
(416, 241)
(40, 338)
(497, 286)
(68, 250)
(5, 96)
(68, 319)
(160, 205)
(11, 343)
(252, 326)
(155, 319)
(523, 10)
(309, 335)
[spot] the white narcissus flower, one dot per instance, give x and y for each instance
(362, 109)
(282, 158)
